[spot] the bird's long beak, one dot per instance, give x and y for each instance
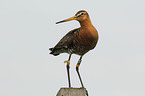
(72, 18)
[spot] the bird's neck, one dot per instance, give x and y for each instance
(86, 23)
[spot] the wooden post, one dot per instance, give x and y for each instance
(72, 92)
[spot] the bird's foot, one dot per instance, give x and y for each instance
(82, 87)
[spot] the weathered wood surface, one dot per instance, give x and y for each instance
(72, 92)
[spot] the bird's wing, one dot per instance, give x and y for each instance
(67, 39)
(65, 42)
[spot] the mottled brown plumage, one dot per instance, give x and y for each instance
(80, 40)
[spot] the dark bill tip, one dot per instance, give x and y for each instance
(60, 22)
(72, 18)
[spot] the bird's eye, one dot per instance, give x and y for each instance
(82, 13)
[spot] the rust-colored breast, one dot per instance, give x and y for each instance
(87, 38)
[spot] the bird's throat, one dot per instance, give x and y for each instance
(86, 23)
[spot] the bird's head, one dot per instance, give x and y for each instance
(82, 15)
(79, 16)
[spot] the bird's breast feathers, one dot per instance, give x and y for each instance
(87, 37)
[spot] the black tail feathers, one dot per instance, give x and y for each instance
(53, 51)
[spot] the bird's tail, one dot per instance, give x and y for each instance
(54, 51)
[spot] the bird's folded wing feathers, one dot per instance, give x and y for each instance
(67, 39)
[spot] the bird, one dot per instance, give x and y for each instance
(77, 41)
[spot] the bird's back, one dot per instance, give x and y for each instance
(66, 43)
(78, 41)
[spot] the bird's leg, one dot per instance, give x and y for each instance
(77, 69)
(68, 73)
